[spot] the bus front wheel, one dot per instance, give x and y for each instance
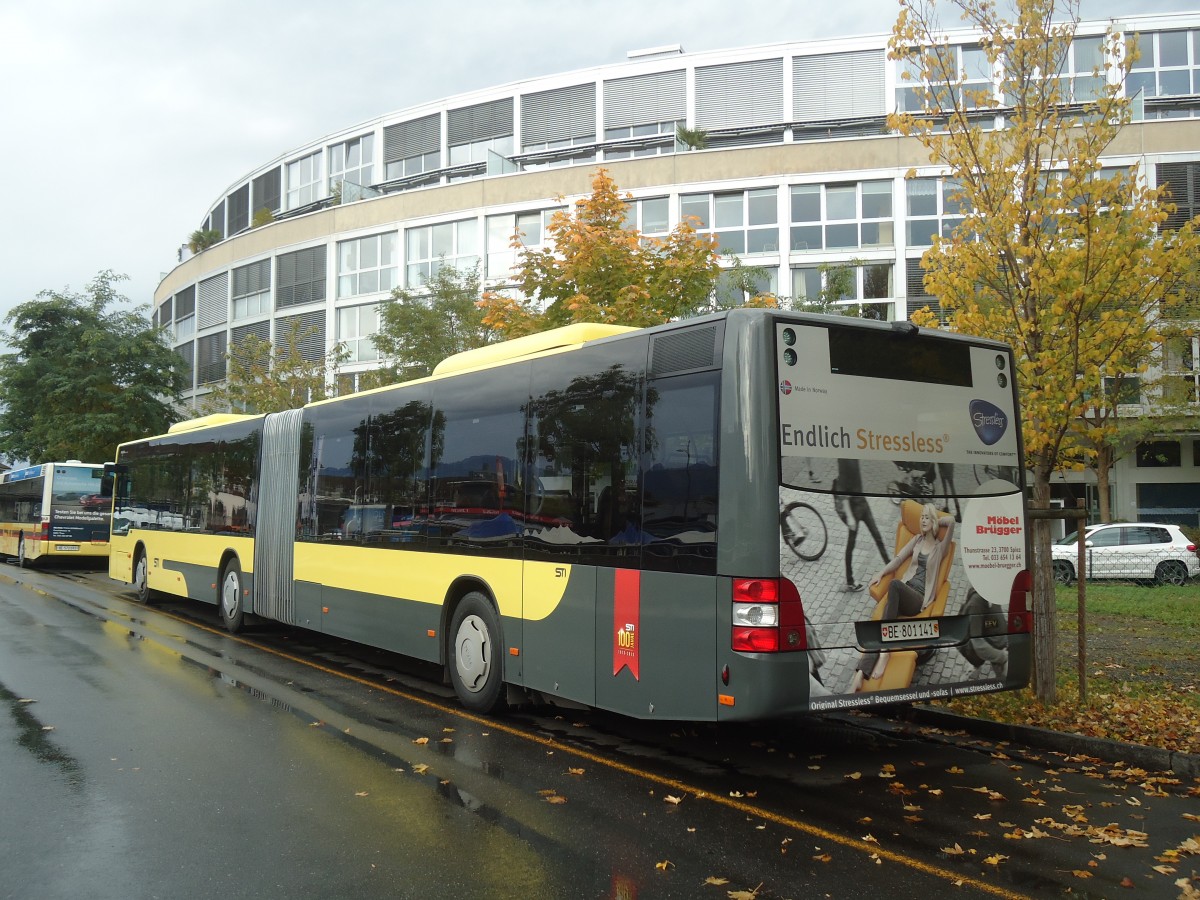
(141, 579)
(233, 610)
(475, 659)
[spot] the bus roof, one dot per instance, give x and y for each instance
(554, 339)
(205, 421)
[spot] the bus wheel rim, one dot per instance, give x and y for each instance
(229, 594)
(473, 653)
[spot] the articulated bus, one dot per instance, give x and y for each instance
(746, 515)
(59, 509)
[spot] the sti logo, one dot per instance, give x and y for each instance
(989, 420)
(785, 387)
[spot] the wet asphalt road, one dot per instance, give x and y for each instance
(143, 754)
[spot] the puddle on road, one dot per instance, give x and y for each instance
(34, 736)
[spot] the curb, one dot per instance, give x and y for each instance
(1150, 758)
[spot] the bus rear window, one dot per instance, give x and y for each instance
(871, 353)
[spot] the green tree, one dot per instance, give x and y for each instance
(418, 329)
(265, 377)
(1059, 257)
(597, 269)
(83, 376)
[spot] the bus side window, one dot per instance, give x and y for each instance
(679, 480)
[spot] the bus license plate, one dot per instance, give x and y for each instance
(65, 548)
(916, 630)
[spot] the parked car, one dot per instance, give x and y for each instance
(1138, 551)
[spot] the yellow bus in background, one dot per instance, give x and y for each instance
(58, 509)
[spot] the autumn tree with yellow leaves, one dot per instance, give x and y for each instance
(1066, 260)
(595, 268)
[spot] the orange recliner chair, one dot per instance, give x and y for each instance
(903, 663)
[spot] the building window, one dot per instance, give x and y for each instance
(841, 216)
(367, 265)
(430, 247)
(303, 180)
(650, 217)
(742, 221)
(1168, 66)
(475, 131)
(412, 148)
(533, 228)
(1158, 455)
(356, 327)
(932, 209)
(863, 289)
(352, 161)
(185, 313)
(1182, 181)
(1180, 354)
(252, 290)
(967, 62)
(1126, 390)
(300, 277)
(755, 281)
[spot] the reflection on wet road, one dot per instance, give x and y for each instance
(153, 755)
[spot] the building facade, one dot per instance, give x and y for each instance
(798, 172)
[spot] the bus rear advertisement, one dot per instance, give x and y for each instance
(747, 515)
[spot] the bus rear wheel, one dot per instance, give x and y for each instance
(233, 610)
(475, 661)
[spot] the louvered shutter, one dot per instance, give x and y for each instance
(416, 138)
(239, 210)
(185, 303)
(252, 279)
(310, 328)
(564, 114)
(210, 362)
(838, 86)
(481, 122)
(260, 330)
(267, 191)
(658, 97)
(300, 277)
(740, 95)
(213, 301)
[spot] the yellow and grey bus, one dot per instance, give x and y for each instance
(59, 509)
(699, 521)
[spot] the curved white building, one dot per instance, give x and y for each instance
(799, 170)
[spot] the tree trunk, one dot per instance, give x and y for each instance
(1104, 465)
(1045, 621)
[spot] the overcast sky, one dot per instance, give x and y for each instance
(122, 120)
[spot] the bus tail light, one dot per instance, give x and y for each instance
(44, 531)
(1020, 618)
(767, 616)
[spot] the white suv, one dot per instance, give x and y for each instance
(1142, 551)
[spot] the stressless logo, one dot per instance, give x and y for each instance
(989, 420)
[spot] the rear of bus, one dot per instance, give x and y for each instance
(65, 510)
(902, 521)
